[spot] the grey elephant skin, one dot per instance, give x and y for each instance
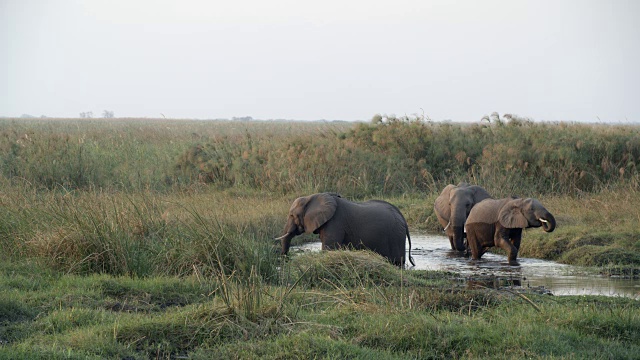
(452, 208)
(500, 223)
(375, 225)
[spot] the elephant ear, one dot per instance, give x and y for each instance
(511, 215)
(318, 211)
(442, 208)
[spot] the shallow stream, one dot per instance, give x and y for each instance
(433, 252)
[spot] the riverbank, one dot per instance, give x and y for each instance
(598, 230)
(130, 232)
(433, 252)
(328, 305)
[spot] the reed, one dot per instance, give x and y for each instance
(358, 159)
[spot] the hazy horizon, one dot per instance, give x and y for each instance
(336, 60)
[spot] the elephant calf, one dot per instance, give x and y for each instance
(375, 225)
(500, 223)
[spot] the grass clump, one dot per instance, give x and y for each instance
(338, 269)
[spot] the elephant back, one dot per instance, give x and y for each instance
(486, 211)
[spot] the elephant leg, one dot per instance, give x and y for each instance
(473, 242)
(503, 241)
(480, 238)
(467, 247)
(516, 237)
(453, 245)
(331, 238)
(483, 250)
(476, 252)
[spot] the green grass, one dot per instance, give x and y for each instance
(597, 230)
(356, 159)
(407, 315)
(154, 239)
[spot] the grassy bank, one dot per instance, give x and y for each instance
(150, 233)
(599, 230)
(330, 305)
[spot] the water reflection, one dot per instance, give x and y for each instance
(433, 252)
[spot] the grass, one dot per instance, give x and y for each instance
(356, 159)
(407, 315)
(597, 230)
(153, 239)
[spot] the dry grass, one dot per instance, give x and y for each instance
(599, 229)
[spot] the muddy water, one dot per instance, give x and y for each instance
(433, 252)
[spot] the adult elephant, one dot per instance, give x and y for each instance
(452, 208)
(375, 225)
(500, 223)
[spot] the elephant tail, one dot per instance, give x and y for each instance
(410, 257)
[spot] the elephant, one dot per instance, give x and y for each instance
(500, 223)
(452, 208)
(375, 225)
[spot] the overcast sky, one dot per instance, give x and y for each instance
(307, 60)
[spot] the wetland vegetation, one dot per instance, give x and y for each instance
(142, 238)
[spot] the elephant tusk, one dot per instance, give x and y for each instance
(281, 237)
(543, 220)
(446, 227)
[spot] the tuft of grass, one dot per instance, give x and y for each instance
(342, 269)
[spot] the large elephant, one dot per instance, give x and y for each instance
(500, 223)
(452, 208)
(375, 225)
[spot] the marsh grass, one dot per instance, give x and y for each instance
(154, 239)
(597, 230)
(423, 315)
(356, 159)
(142, 234)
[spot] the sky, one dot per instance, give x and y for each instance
(559, 60)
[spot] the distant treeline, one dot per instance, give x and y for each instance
(358, 159)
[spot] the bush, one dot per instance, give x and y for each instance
(391, 156)
(406, 156)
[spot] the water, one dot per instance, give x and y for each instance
(433, 252)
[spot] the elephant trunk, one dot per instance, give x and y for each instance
(458, 238)
(458, 218)
(290, 231)
(548, 222)
(285, 241)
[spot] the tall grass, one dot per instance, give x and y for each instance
(359, 159)
(141, 234)
(173, 197)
